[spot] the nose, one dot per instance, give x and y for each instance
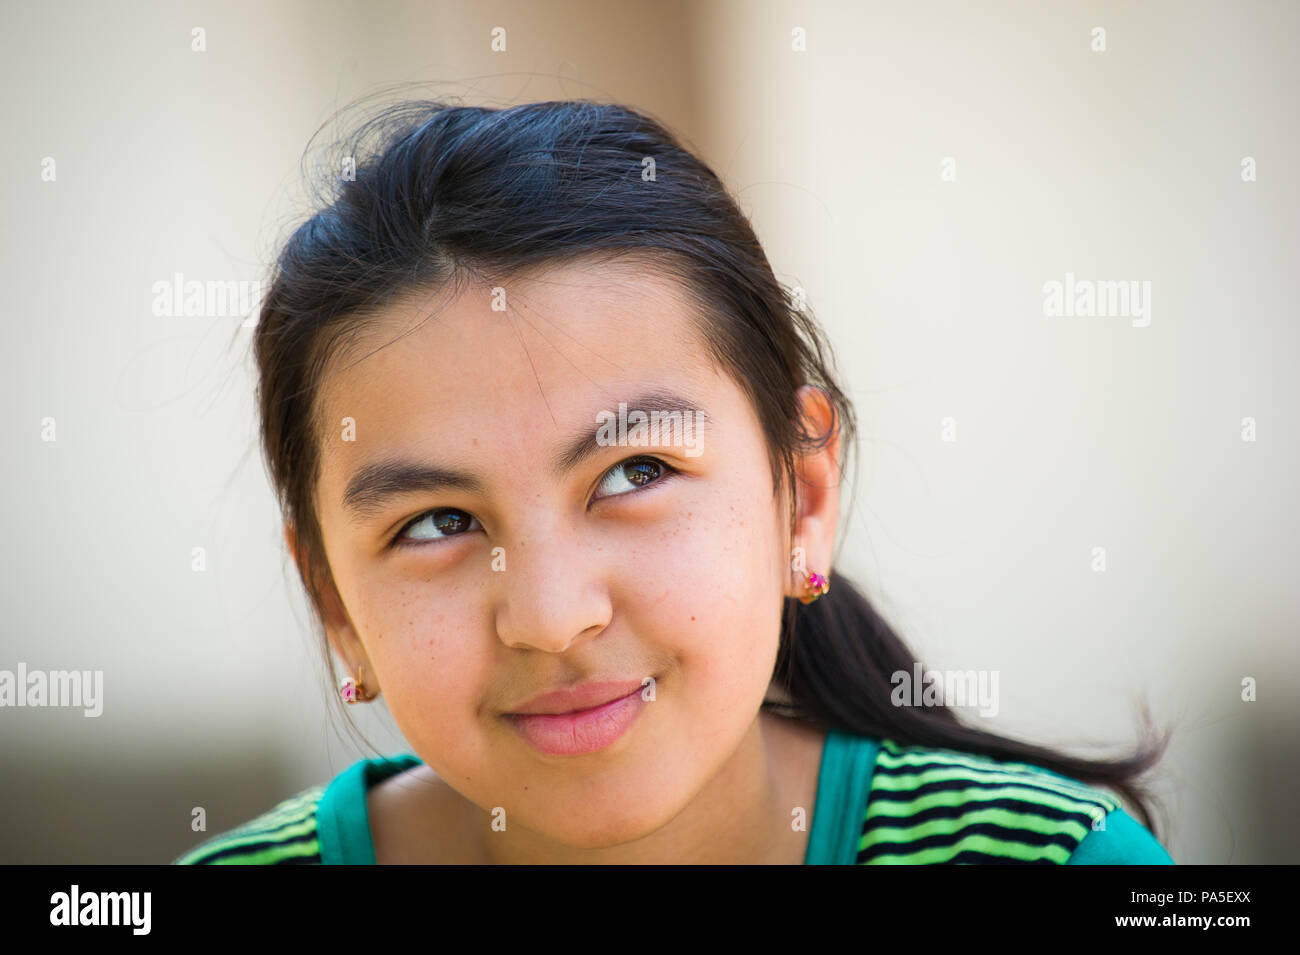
(552, 592)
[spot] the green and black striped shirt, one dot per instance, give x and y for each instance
(878, 803)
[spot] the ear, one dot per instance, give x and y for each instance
(338, 625)
(817, 489)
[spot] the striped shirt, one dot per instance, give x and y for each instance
(878, 803)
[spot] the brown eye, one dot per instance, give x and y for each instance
(434, 525)
(628, 476)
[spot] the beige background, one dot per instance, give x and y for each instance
(1072, 433)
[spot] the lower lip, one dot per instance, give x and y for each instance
(584, 731)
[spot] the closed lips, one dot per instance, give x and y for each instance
(576, 699)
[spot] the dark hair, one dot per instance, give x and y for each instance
(439, 193)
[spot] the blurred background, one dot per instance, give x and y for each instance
(921, 170)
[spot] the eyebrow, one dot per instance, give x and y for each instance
(375, 484)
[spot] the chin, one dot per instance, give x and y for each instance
(604, 827)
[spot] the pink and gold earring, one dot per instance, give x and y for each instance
(814, 586)
(354, 691)
(348, 690)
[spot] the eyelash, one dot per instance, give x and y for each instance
(668, 470)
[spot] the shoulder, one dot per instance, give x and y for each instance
(932, 806)
(1120, 840)
(417, 818)
(283, 835)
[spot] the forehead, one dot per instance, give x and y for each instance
(511, 367)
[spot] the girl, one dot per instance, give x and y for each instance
(559, 460)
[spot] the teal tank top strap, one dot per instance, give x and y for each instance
(342, 819)
(843, 786)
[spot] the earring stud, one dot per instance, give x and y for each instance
(814, 585)
(348, 690)
(353, 690)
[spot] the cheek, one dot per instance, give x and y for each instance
(708, 592)
(430, 673)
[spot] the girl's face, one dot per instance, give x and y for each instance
(478, 566)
